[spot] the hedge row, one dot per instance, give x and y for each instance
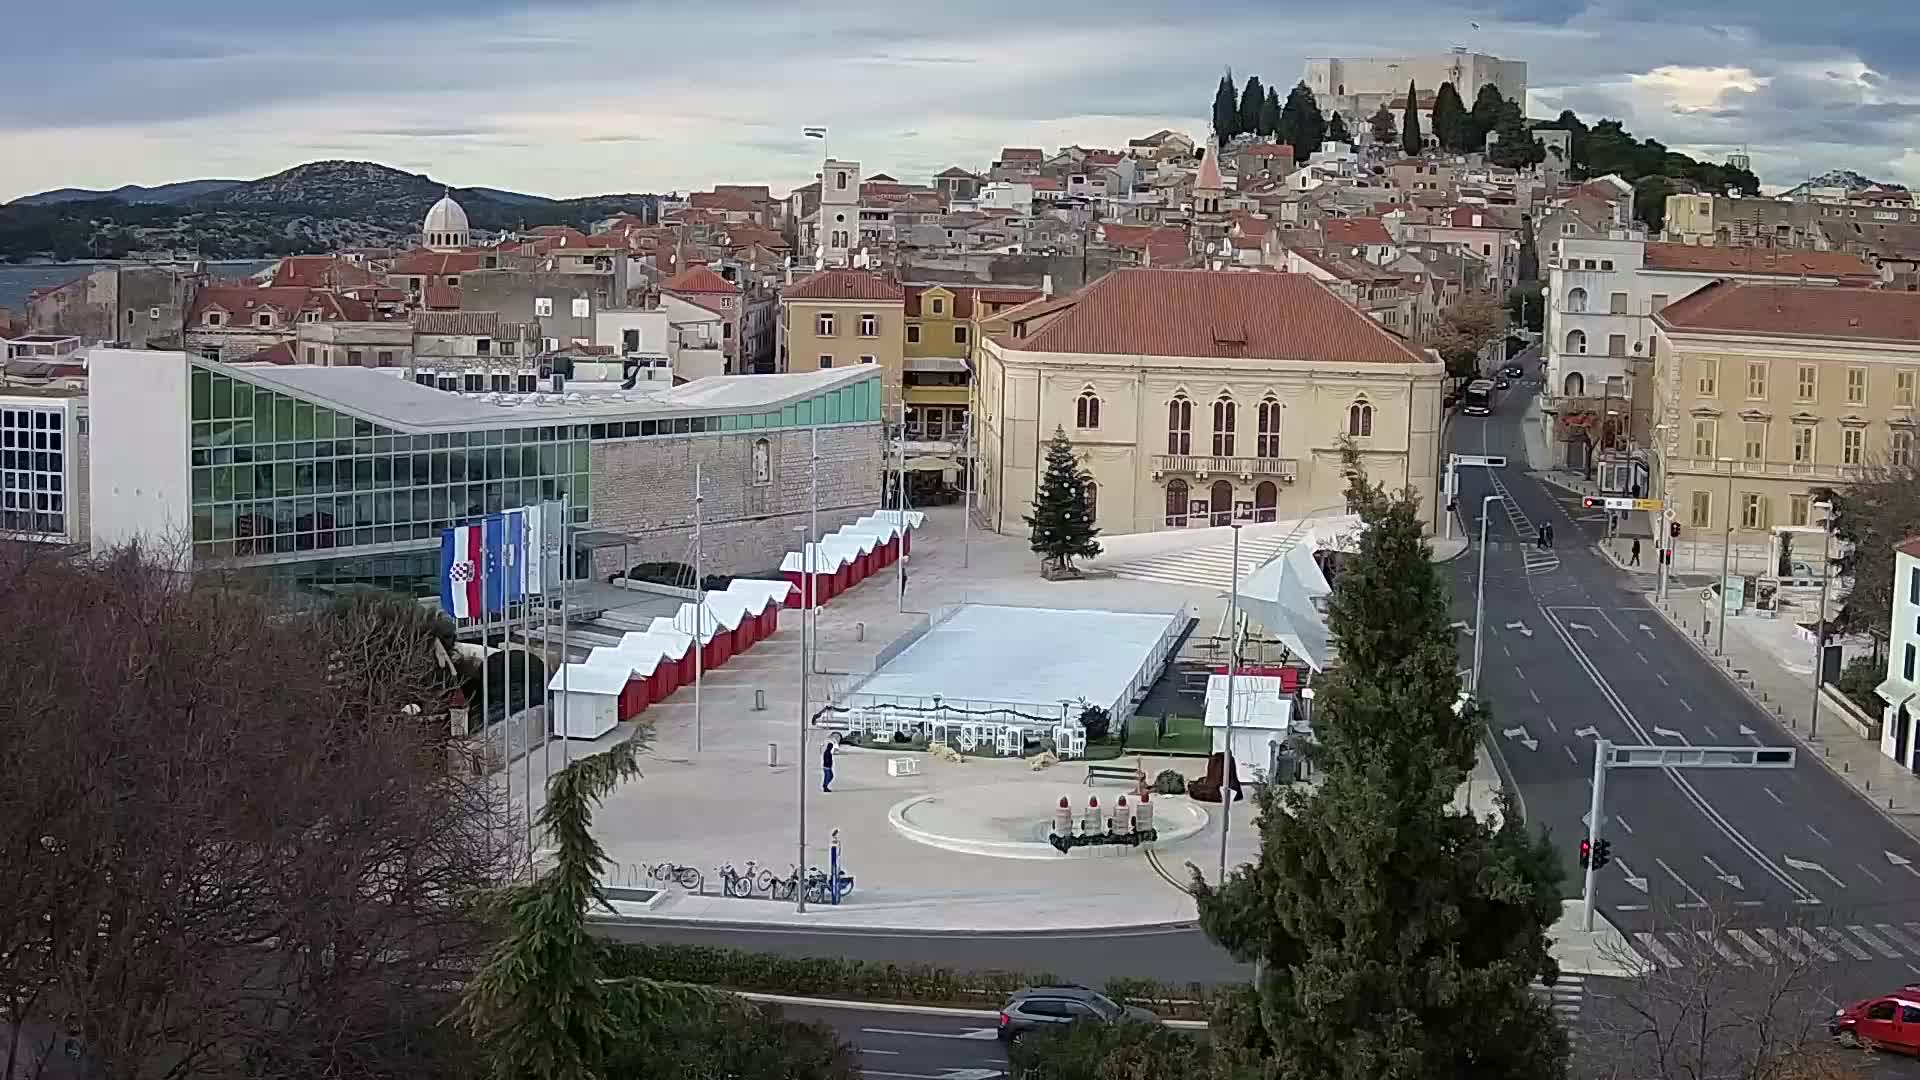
(865, 980)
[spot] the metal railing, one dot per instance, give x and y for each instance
(1199, 465)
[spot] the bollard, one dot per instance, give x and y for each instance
(759, 700)
(859, 631)
(773, 755)
(1119, 820)
(1063, 818)
(1845, 766)
(1090, 824)
(1144, 818)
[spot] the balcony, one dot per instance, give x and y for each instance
(1285, 470)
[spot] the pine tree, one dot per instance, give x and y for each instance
(1270, 113)
(1301, 124)
(1410, 139)
(1226, 110)
(1061, 524)
(1252, 99)
(1451, 125)
(1487, 103)
(1337, 130)
(1385, 131)
(1399, 937)
(1516, 148)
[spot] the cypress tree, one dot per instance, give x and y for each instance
(1270, 113)
(1301, 124)
(1337, 130)
(1061, 525)
(1385, 131)
(1399, 937)
(1487, 105)
(1410, 138)
(1451, 124)
(1252, 99)
(1226, 110)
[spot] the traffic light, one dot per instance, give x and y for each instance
(1586, 852)
(1601, 854)
(1673, 529)
(1589, 502)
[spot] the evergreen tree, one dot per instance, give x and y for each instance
(1301, 124)
(1528, 266)
(1252, 99)
(1410, 137)
(1385, 131)
(1062, 521)
(1226, 110)
(1270, 113)
(1398, 937)
(1337, 130)
(1486, 112)
(1451, 125)
(1516, 148)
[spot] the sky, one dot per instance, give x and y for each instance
(580, 97)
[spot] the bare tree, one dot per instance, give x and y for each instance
(231, 841)
(1717, 999)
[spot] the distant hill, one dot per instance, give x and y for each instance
(314, 207)
(1845, 179)
(130, 193)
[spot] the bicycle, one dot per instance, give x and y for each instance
(687, 877)
(818, 890)
(741, 885)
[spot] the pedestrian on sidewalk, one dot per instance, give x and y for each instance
(826, 767)
(1634, 558)
(1549, 529)
(1540, 536)
(903, 578)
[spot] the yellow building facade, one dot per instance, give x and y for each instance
(842, 318)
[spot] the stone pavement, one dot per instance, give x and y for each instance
(1788, 694)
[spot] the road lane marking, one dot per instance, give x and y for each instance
(1534, 696)
(1675, 875)
(1708, 732)
(1835, 937)
(1800, 934)
(1781, 945)
(1772, 796)
(1720, 947)
(1683, 704)
(1570, 756)
(1622, 822)
(1550, 723)
(1504, 651)
(883, 1053)
(1662, 678)
(1751, 945)
(1877, 880)
(1821, 835)
(1652, 945)
(982, 1034)
(1878, 946)
(1898, 937)
(1520, 671)
(1643, 657)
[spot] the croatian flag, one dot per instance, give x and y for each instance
(460, 562)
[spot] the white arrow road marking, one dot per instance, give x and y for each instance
(1813, 867)
(1583, 626)
(1669, 733)
(1745, 730)
(1461, 625)
(1648, 630)
(1522, 627)
(1721, 873)
(1637, 882)
(983, 1034)
(1520, 733)
(1587, 732)
(1698, 900)
(1902, 862)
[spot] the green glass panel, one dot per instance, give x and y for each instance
(790, 416)
(283, 479)
(243, 481)
(323, 423)
(580, 459)
(242, 400)
(202, 433)
(283, 426)
(222, 483)
(202, 486)
(222, 397)
(202, 394)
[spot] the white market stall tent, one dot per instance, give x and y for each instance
(585, 698)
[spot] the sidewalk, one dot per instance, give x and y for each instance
(1892, 790)
(1540, 454)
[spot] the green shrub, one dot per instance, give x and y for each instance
(1106, 1051)
(1857, 681)
(1170, 782)
(1097, 721)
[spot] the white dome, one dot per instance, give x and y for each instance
(446, 217)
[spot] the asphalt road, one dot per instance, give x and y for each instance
(1772, 863)
(893, 1045)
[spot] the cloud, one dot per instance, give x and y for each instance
(631, 95)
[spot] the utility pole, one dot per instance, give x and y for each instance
(699, 610)
(1230, 771)
(1726, 560)
(966, 474)
(1820, 630)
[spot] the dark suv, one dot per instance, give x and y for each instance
(1041, 1008)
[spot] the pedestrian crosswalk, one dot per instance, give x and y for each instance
(1211, 566)
(1565, 996)
(1750, 946)
(1538, 560)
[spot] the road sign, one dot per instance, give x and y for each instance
(1594, 502)
(1491, 461)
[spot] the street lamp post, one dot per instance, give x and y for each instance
(1726, 560)
(1480, 592)
(1230, 770)
(1820, 629)
(800, 762)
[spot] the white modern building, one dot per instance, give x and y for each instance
(1898, 740)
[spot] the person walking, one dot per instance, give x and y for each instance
(1633, 559)
(1549, 530)
(1540, 537)
(826, 767)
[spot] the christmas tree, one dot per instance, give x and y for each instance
(1062, 518)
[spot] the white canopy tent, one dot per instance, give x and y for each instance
(1280, 598)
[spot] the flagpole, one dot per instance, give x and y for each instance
(813, 532)
(700, 608)
(526, 731)
(546, 650)
(900, 495)
(486, 682)
(566, 577)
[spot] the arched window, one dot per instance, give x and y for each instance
(1265, 498)
(1086, 411)
(1576, 384)
(1221, 503)
(1360, 419)
(1093, 501)
(1268, 443)
(1576, 299)
(1176, 503)
(1576, 341)
(1179, 426)
(1223, 417)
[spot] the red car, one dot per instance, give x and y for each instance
(1891, 1022)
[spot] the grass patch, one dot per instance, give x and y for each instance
(1186, 735)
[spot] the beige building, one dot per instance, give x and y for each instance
(1199, 397)
(842, 318)
(1769, 391)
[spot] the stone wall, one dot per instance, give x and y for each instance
(644, 487)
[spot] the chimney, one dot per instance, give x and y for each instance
(1046, 286)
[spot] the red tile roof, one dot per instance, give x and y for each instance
(1462, 217)
(723, 200)
(442, 297)
(1224, 314)
(844, 285)
(242, 302)
(321, 271)
(1801, 311)
(424, 263)
(1103, 158)
(1268, 150)
(1789, 262)
(1139, 237)
(280, 352)
(1021, 153)
(699, 279)
(1354, 232)
(1909, 546)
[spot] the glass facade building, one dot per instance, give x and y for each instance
(33, 470)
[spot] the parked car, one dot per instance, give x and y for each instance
(1042, 1008)
(1890, 1022)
